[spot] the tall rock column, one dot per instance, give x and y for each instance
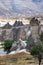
(35, 28)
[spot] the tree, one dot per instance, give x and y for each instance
(37, 51)
(8, 44)
(30, 42)
(41, 37)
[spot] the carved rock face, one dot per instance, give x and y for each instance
(18, 45)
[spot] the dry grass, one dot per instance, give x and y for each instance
(17, 59)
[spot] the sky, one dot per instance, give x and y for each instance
(20, 7)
